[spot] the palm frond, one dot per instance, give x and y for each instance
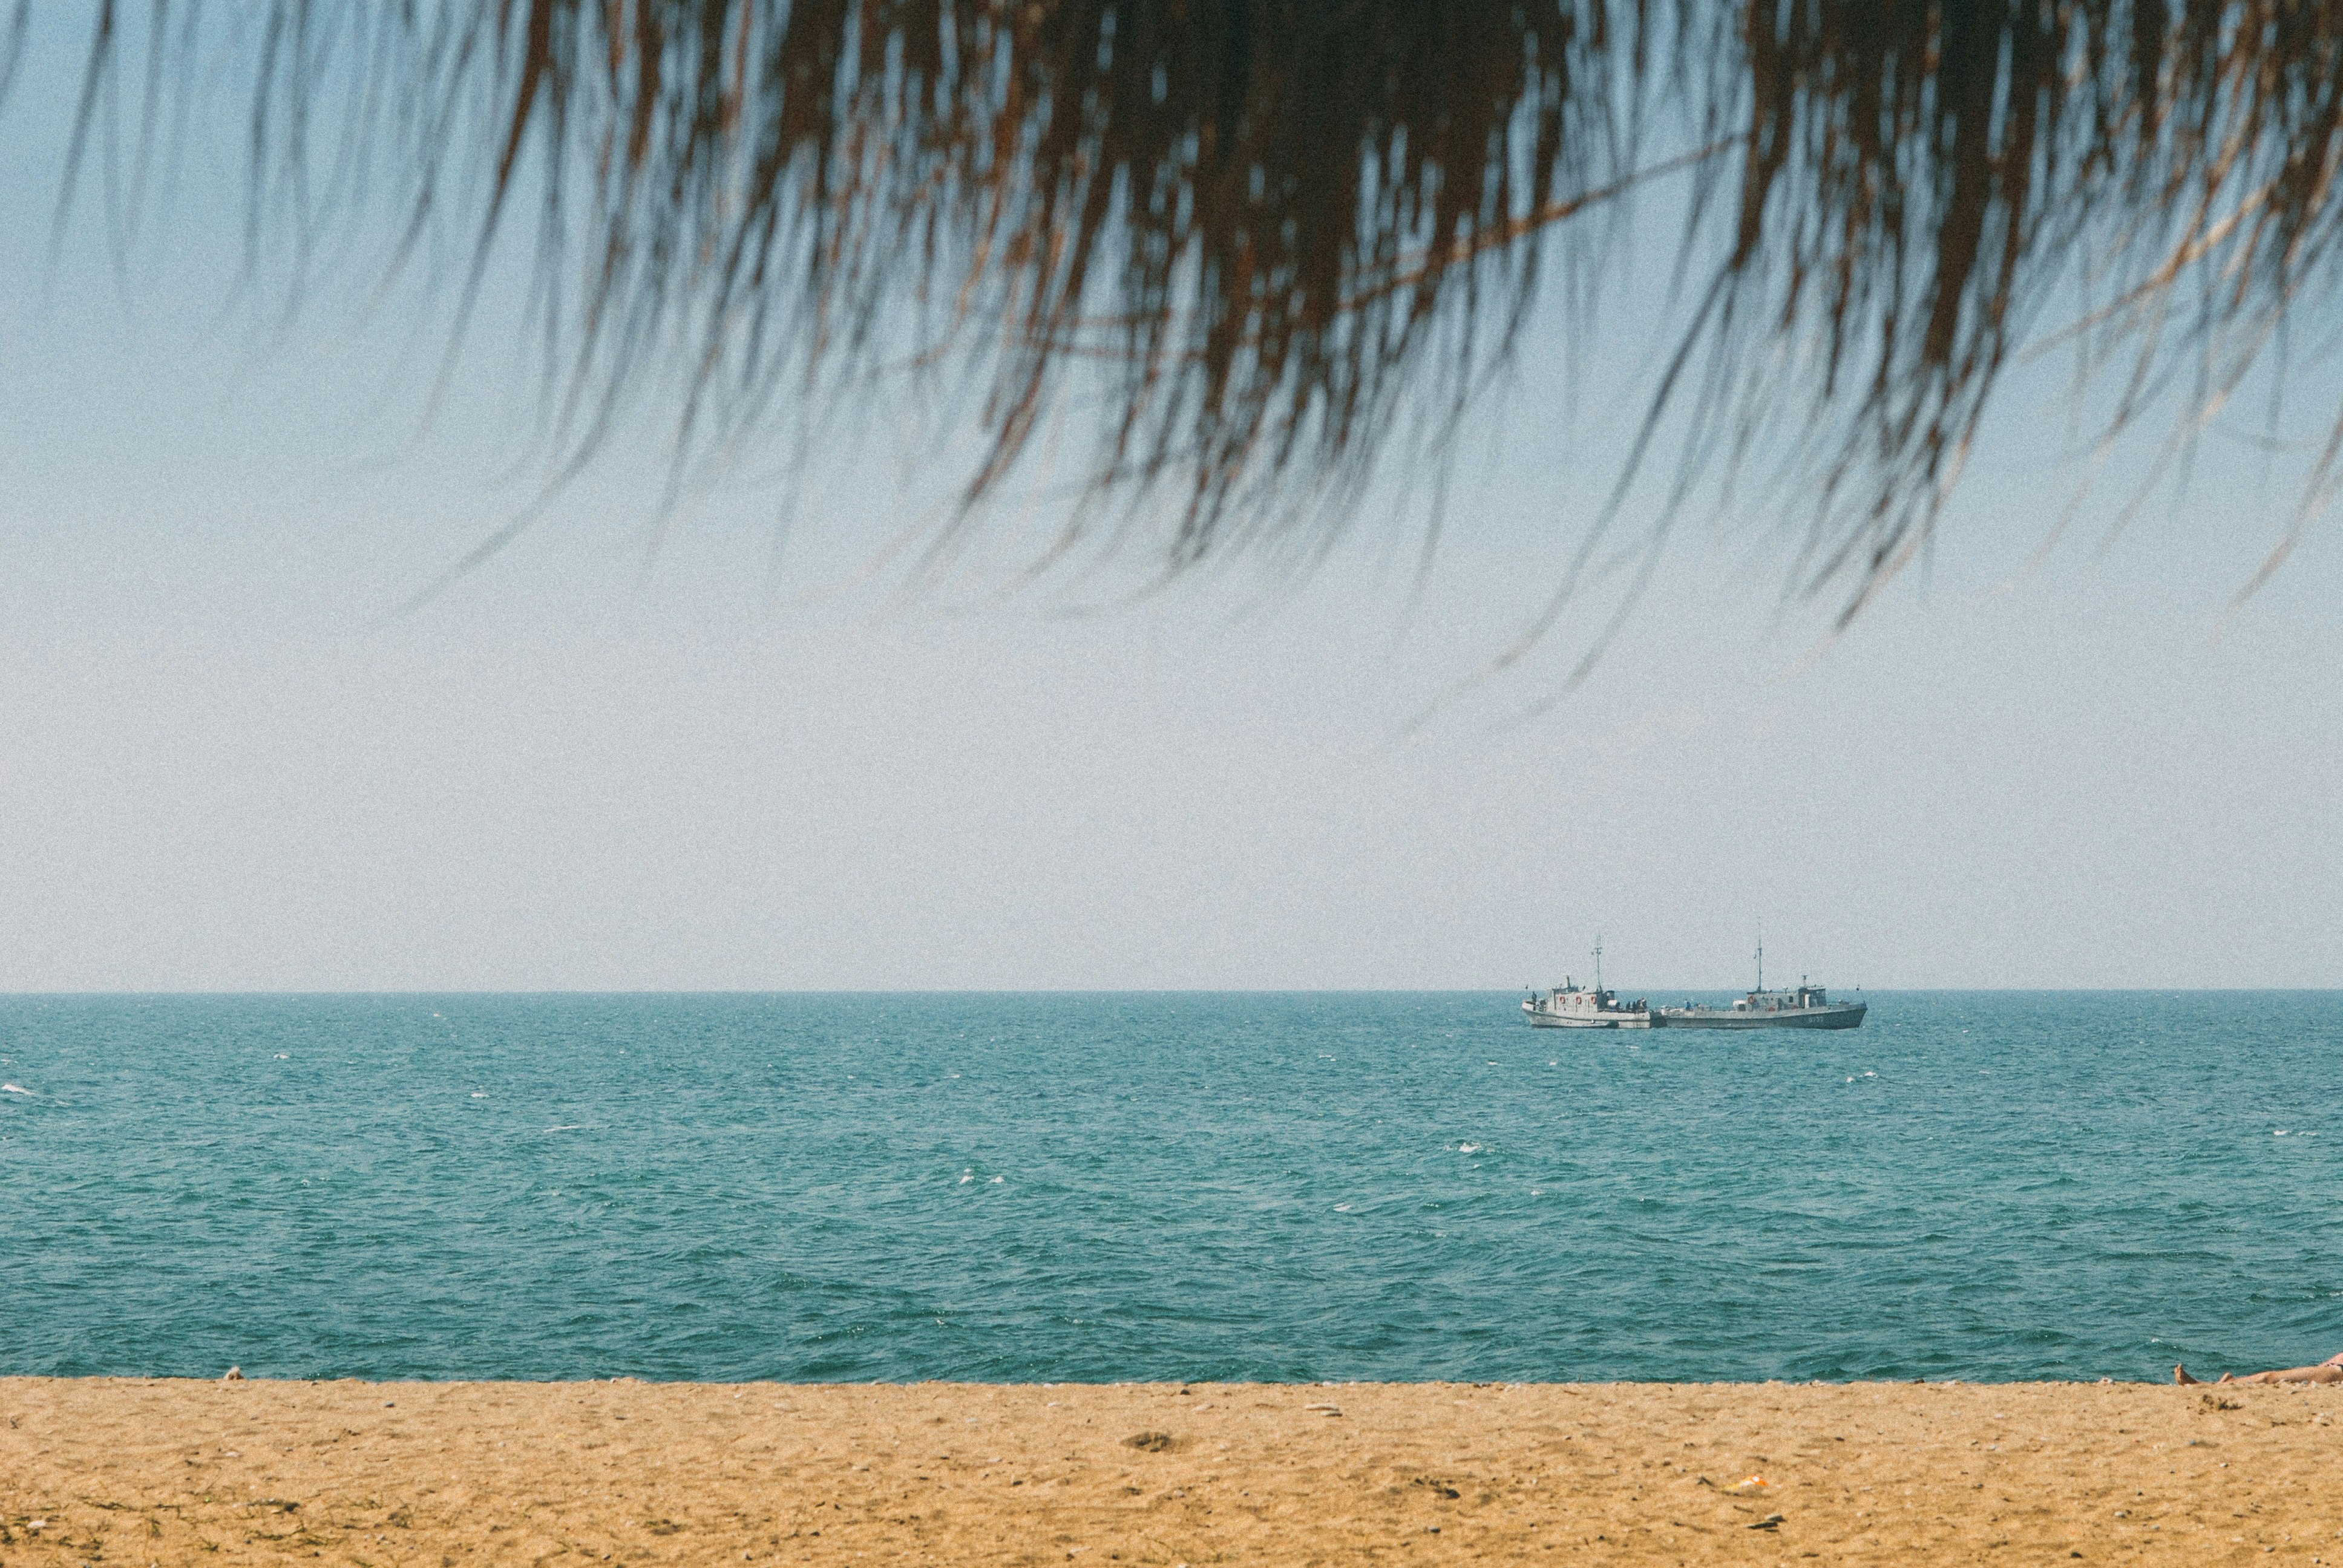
(1268, 229)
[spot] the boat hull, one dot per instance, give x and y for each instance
(1542, 1018)
(1836, 1016)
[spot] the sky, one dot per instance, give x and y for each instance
(735, 750)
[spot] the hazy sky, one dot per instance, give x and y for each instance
(607, 762)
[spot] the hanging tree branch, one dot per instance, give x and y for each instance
(1268, 227)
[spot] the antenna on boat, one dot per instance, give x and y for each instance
(1761, 955)
(1598, 964)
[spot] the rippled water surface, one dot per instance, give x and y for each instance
(1075, 1188)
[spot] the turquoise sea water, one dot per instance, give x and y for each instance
(1089, 1188)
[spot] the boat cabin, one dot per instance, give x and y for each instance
(1784, 1001)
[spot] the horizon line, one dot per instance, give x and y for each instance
(26, 995)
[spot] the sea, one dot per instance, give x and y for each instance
(1078, 1188)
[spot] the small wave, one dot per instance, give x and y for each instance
(479, 1094)
(1468, 1149)
(568, 1127)
(17, 1089)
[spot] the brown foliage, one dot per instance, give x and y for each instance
(1267, 228)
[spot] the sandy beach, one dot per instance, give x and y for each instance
(120, 1470)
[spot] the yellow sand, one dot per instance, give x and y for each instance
(443, 1474)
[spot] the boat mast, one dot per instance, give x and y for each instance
(1598, 966)
(1761, 955)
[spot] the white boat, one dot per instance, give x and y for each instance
(1574, 1006)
